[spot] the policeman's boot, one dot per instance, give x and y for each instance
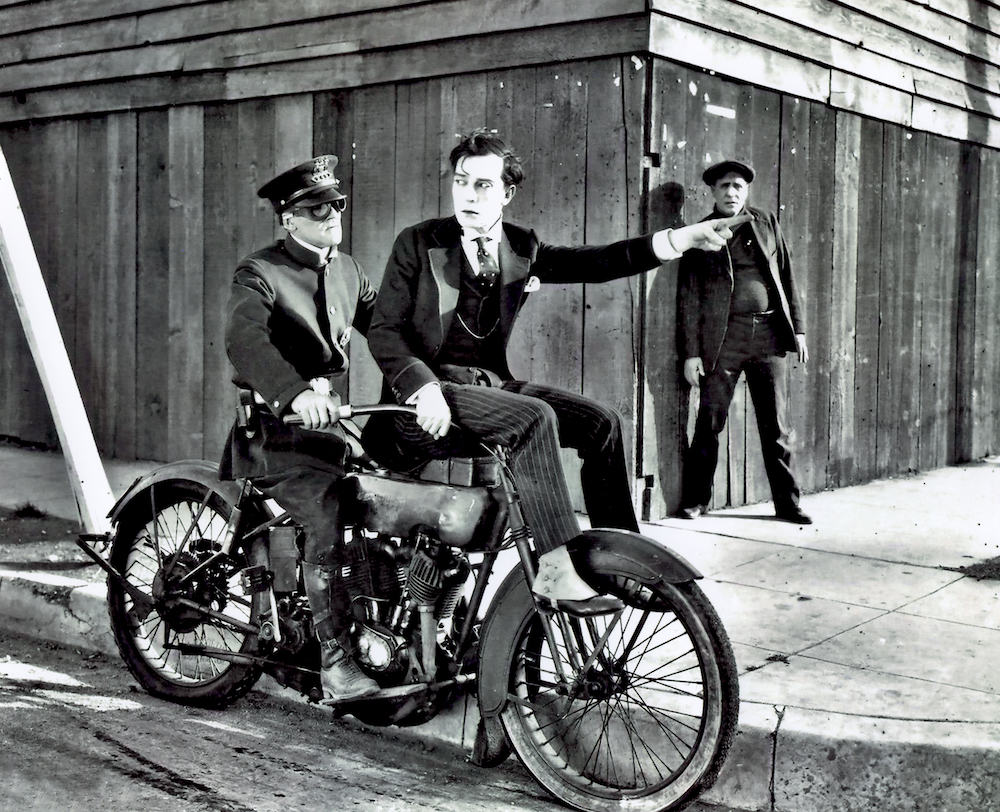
(340, 677)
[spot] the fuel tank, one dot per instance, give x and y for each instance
(394, 505)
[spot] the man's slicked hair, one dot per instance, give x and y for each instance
(482, 142)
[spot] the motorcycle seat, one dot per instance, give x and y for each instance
(463, 471)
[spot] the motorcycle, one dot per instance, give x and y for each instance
(632, 710)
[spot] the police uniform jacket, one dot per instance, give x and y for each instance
(705, 280)
(289, 321)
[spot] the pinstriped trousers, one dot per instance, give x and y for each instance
(532, 421)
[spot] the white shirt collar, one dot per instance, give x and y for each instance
(494, 235)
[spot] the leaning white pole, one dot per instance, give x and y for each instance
(17, 256)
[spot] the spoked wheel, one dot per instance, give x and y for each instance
(635, 711)
(183, 643)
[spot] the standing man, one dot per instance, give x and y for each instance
(740, 312)
(449, 298)
(292, 309)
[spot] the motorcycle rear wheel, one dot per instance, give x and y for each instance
(158, 541)
(653, 720)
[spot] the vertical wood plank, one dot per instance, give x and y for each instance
(463, 109)
(225, 194)
(519, 132)
(665, 417)
(59, 144)
(417, 158)
(869, 264)
(610, 317)
(843, 299)
(913, 271)
(557, 167)
(119, 393)
(293, 130)
(92, 242)
(333, 133)
(634, 75)
(938, 315)
(373, 198)
(254, 221)
(805, 195)
(967, 208)
(18, 377)
(185, 341)
(153, 285)
(609, 363)
(888, 410)
(985, 397)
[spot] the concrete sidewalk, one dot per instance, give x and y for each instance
(870, 666)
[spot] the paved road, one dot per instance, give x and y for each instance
(77, 734)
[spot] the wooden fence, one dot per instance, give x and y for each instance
(139, 217)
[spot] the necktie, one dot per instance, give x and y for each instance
(488, 269)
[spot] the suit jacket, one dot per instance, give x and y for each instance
(705, 280)
(278, 341)
(419, 291)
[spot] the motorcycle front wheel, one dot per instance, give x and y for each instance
(189, 642)
(641, 721)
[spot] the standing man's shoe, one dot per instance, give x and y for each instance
(692, 512)
(793, 514)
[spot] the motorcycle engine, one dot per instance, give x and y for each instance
(391, 586)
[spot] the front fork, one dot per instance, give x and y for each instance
(569, 631)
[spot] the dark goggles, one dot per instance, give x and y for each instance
(321, 211)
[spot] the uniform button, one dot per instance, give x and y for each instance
(333, 309)
(277, 403)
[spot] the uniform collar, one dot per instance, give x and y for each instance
(311, 255)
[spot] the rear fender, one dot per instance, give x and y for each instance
(608, 552)
(200, 472)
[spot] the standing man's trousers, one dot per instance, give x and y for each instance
(750, 347)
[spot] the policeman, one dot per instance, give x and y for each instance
(292, 310)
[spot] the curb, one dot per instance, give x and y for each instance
(779, 761)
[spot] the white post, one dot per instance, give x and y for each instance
(17, 256)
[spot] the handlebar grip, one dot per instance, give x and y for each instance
(347, 411)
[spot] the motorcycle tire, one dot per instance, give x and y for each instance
(159, 539)
(656, 714)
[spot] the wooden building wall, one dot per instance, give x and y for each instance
(890, 231)
(138, 130)
(139, 219)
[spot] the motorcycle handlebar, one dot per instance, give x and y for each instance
(348, 411)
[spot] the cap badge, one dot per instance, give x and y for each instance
(321, 170)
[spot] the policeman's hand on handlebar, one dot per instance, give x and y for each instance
(710, 235)
(318, 411)
(433, 413)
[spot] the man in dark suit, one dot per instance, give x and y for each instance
(292, 309)
(740, 313)
(449, 297)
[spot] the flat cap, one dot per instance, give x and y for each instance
(716, 171)
(307, 184)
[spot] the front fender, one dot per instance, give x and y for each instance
(599, 556)
(201, 472)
